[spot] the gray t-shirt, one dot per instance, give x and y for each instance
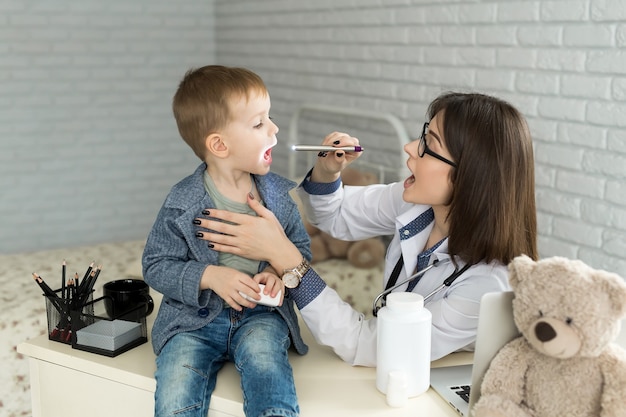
(249, 266)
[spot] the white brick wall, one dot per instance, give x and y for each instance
(561, 62)
(88, 146)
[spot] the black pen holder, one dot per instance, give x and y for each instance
(59, 311)
(109, 336)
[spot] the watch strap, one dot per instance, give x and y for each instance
(299, 270)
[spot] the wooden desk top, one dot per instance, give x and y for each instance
(323, 381)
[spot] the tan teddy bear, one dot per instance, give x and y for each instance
(366, 253)
(564, 363)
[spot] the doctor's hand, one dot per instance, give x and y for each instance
(258, 237)
(330, 164)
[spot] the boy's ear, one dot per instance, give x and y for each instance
(215, 145)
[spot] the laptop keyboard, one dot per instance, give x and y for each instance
(462, 391)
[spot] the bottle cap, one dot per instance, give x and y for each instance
(405, 301)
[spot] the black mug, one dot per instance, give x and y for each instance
(127, 299)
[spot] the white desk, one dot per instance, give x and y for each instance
(68, 382)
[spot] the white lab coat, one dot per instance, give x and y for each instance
(354, 213)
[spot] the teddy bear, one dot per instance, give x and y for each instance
(564, 363)
(366, 253)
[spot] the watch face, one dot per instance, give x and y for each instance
(291, 280)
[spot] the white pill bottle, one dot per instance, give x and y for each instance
(403, 347)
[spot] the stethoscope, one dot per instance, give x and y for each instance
(446, 283)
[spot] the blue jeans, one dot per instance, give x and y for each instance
(256, 340)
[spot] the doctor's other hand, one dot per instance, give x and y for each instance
(258, 237)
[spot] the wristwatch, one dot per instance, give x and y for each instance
(292, 277)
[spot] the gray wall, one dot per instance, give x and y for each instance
(562, 63)
(88, 147)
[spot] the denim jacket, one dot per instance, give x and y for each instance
(174, 258)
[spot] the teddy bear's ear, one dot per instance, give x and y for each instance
(519, 268)
(615, 287)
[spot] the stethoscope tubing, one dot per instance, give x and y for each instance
(436, 263)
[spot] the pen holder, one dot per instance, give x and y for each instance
(61, 325)
(101, 334)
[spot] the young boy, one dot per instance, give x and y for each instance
(204, 320)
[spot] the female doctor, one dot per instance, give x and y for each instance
(466, 210)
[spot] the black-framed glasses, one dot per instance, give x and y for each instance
(423, 148)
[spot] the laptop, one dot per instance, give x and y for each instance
(495, 329)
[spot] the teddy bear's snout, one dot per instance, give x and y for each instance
(544, 332)
(554, 337)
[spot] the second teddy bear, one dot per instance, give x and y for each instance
(366, 253)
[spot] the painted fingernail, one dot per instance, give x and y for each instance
(196, 221)
(251, 196)
(339, 154)
(206, 212)
(336, 142)
(199, 234)
(211, 245)
(322, 154)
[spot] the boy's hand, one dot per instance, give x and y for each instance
(227, 283)
(273, 285)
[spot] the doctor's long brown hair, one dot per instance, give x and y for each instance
(492, 208)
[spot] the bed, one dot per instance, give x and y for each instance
(23, 314)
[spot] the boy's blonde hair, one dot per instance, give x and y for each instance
(201, 103)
